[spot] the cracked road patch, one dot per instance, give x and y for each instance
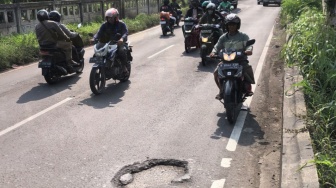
(152, 173)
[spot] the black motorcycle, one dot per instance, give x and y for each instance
(207, 40)
(54, 65)
(166, 24)
(231, 78)
(105, 67)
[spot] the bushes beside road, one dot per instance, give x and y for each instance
(312, 47)
(23, 49)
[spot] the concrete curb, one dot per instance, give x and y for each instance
(297, 151)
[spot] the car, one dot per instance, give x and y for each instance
(267, 2)
(234, 3)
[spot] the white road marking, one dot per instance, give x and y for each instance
(233, 141)
(218, 183)
(160, 51)
(226, 162)
(3, 132)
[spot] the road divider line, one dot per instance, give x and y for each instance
(218, 183)
(226, 162)
(160, 51)
(3, 132)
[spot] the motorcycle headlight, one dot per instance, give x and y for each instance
(229, 57)
(204, 39)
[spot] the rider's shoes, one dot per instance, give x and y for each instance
(248, 94)
(219, 96)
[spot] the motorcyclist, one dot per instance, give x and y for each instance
(195, 12)
(56, 17)
(224, 5)
(210, 17)
(177, 8)
(50, 35)
(167, 8)
(108, 32)
(205, 4)
(235, 39)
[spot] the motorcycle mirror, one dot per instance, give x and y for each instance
(250, 42)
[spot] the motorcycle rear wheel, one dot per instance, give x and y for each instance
(51, 78)
(97, 80)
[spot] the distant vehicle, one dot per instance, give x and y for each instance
(267, 2)
(259, 1)
(234, 3)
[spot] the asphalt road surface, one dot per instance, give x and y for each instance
(164, 121)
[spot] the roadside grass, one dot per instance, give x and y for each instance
(20, 49)
(312, 47)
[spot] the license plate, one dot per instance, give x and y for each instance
(44, 64)
(206, 31)
(230, 65)
(162, 22)
(188, 23)
(96, 60)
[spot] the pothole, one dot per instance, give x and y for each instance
(152, 173)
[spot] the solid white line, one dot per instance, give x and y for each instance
(226, 162)
(3, 132)
(218, 183)
(233, 141)
(161, 51)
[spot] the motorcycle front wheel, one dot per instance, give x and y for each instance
(187, 45)
(97, 80)
(80, 69)
(230, 103)
(128, 66)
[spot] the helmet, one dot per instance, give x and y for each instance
(194, 3)
(55, 16)
(205, 4)
(165, 2)
(112, 13)
(211, 6)
(42, 15)
(232, 18)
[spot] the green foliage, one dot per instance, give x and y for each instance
(22, 49)
(312, 47)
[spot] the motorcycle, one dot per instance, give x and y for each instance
(207, 40)
(178, 17)
(231, 78)
(165, 23)
(191, 36)
(105, 67)
(54, 65)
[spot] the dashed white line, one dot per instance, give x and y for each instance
(226, 162)
(160, 51)
(218, 183)
(3, 132)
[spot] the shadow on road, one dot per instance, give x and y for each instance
(44, 90)
(250, 134)
(111, 96)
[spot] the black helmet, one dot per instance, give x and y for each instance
(166, 2)
(42, 15)
(232, 18)
(194, 3)
(55, 16)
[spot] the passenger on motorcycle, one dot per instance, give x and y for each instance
(108, 31)
(56, 17)
(50, 35)
(224, 5)
(210, 17)
(167, 8)
(176, 7)
(195, 12)
(234, 39)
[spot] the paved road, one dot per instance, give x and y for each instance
(64, 136)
